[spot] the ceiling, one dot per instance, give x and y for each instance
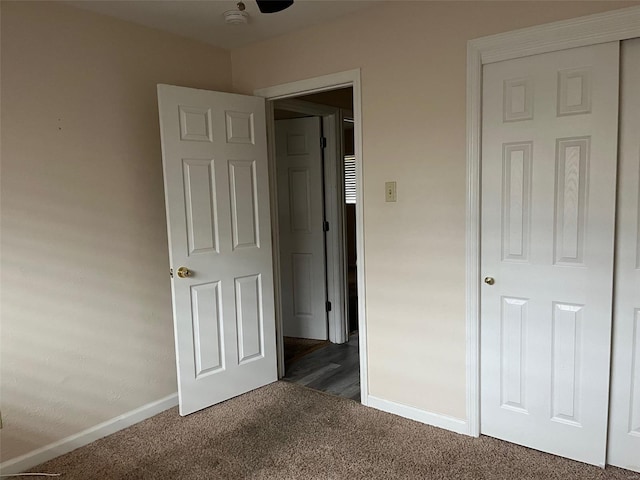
(204, 21)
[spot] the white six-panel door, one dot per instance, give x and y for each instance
(216, 188)
(300, 223)
(548, 207)
(624, 429)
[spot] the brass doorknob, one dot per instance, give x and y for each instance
(487, 280)
(184, 272)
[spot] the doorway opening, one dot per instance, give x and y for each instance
(315, 180)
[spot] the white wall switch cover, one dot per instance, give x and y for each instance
(390, 191)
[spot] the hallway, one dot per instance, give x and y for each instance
(333, 369)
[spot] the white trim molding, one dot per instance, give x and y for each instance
(311, 85)
(55, 449)
(611, 26)
(456, 425)
(349, 78)
(615, 25)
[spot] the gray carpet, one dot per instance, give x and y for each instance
(285, 431)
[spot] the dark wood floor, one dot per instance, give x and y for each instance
(332, 369)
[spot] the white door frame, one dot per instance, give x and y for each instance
(350, 78)
(610, 26)
(335, 260)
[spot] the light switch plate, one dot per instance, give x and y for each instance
(390, 191)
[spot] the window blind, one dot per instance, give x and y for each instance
(350, 179)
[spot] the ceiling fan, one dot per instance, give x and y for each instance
(239, 16)
(273, 6)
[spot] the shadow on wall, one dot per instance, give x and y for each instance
(86, 306)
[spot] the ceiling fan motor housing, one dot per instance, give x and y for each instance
(273, 6)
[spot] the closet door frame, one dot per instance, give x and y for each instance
(616, 25)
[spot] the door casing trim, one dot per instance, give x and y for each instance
(349, 78)
(336, 267)
(616, 25)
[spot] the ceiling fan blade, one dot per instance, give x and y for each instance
(273, 6)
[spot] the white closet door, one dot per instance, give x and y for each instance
(548, 207)
(624, 429)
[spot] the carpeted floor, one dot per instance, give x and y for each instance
(285, 431)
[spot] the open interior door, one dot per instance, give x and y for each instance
(301, 218)
(214, 153)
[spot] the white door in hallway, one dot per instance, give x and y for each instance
(300, 223)
(624, 428)
(549, 160)
(217, 199)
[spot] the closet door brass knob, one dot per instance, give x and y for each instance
(487, 280)
(184, 272)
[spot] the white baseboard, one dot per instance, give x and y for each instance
(55, 449)
(435, 419)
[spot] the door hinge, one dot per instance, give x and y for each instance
(323, 142)
(328, 306)
(325, 226)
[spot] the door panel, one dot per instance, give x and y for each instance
(199, 185)
(216, 189)
(244, 215)
(548, 208)
(300, 220)
(624, 430)
(513, 334)
(249, 318)
(207, 324)
(516, 206)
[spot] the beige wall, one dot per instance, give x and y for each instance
(86, 306)
(86, 317)
(412, 56)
